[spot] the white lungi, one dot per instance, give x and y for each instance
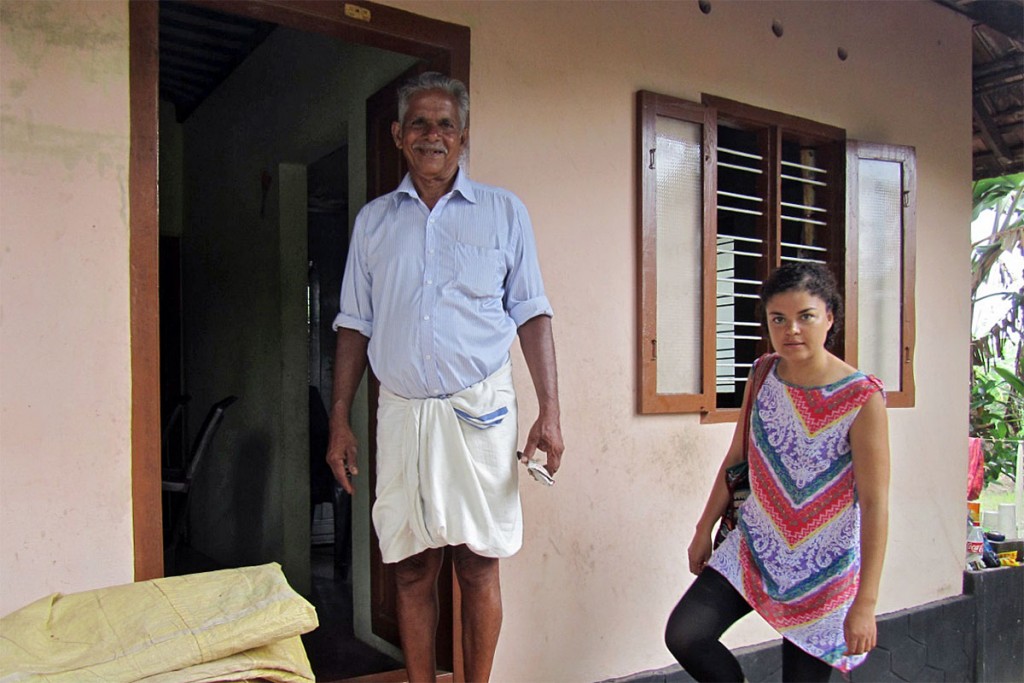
(442, 480)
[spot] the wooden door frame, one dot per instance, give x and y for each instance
(143, 255)
(380, 27)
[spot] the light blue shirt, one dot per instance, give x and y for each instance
(441, 293)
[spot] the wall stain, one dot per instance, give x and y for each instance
(582, 558)
(15, 87)
(687, 460)
(97, 36)
(25, 144)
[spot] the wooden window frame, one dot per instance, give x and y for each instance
(840, 156)
(775, 128)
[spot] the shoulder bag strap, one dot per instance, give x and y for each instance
(757, 377)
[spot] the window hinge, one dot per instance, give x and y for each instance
(906, 199)
(651, 163)
(654, 349)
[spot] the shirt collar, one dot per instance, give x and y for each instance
(463, 185)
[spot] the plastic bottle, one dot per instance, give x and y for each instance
(975, 546)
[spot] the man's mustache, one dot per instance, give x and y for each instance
(430, 148)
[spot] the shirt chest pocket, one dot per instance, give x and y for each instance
(479, 271)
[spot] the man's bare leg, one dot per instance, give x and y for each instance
(481, 611)
(416, 578)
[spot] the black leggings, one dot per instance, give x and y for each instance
(706, 610)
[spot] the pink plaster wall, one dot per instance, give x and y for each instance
(552, 86)
(65, 479)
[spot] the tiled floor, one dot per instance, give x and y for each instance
(333, 649)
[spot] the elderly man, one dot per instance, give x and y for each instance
(442, 274)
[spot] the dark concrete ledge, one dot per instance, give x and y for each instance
(999, 627)
(977, 636)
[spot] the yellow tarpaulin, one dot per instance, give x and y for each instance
(230, 625)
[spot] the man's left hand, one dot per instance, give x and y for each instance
(545, 435)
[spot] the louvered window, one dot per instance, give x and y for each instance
(741, 250)
(727, 193)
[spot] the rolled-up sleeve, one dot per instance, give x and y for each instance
(524, 286)
(355, 310)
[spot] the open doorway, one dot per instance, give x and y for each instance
(243, 242)
(334, 649)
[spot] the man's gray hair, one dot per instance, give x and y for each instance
(432, 80)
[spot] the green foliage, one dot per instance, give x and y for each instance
(997, 409)
(997, 391)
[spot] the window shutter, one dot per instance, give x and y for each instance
(881, 247)
(673, 164)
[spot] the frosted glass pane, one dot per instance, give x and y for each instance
(679, 209)
(879, 269)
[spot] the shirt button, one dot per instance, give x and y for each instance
(430, 251)
(426, 317)
(430, 282)
(426, 357)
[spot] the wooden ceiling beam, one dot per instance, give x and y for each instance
(986, 166)
(989, 132)
(1012, 63)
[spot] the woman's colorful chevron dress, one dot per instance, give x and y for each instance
(795, 555)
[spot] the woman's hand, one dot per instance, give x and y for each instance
(860, 630)
(699, 551)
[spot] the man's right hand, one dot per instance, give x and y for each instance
(349, 366)
(341, 453)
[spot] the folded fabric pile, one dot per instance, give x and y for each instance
(230, 625)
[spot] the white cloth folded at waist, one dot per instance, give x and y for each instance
(447, 471)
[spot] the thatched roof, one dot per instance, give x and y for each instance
(998, 84)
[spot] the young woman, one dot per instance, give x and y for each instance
(808, 549)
